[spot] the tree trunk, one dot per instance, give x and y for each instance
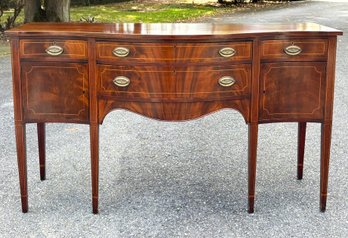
(32, 10)
(54, 11)
(57, 10)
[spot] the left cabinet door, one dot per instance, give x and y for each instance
(55, 92)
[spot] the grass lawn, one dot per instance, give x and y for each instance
(144, 12)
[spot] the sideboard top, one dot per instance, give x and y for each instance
(169, 30)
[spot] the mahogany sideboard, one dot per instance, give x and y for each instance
(79, 72)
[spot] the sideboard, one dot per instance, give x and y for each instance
(79, 72)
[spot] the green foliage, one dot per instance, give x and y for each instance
(142, 12)
(134, 12)
(6, 4)
(8, 21)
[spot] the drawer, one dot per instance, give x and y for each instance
(75, 49)
(184, 52)
(294, 49)
(136, 52)
(213, 52)
(153, 82)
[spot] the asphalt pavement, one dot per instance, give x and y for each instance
(182, 179)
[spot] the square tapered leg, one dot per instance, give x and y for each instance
(41, 133)
(326, 129)
(301, 148)
(253, 131)
(94, 138)
(22, 164)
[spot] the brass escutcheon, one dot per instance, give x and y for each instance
(54, 50)
(293, 49)
(227, 52)
(121, 81)
(121, 52)
(227, 81)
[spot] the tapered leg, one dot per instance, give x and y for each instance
(301, 148)
(22, 164)
(253, 130)
(324, 163)
(94, 137)
(41, 133)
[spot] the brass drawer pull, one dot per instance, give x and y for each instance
(54, 50)
(293, 50)
(121, 81)
(121, 52)
(227, 81)
(227, 52)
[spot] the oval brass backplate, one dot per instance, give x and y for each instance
(54, 50)
(227, 52)
(227, 81)
(293, 50)
(121, 81)
(121, 52)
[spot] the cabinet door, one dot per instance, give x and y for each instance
(55, 92)
(292, 91)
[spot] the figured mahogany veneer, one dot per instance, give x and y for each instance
(209, 52)
(56, 93)
(180, 52)
(311, 49)
(138, 52)
(187, 83)
(173, 111)
(292, 91)
(78, 73)
(74, 49)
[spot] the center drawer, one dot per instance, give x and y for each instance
(151, 82)
(130, 53)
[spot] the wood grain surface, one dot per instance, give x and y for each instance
(55, 93)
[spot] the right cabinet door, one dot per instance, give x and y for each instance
(292, 91)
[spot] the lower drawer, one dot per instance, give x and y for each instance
(152, 82)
